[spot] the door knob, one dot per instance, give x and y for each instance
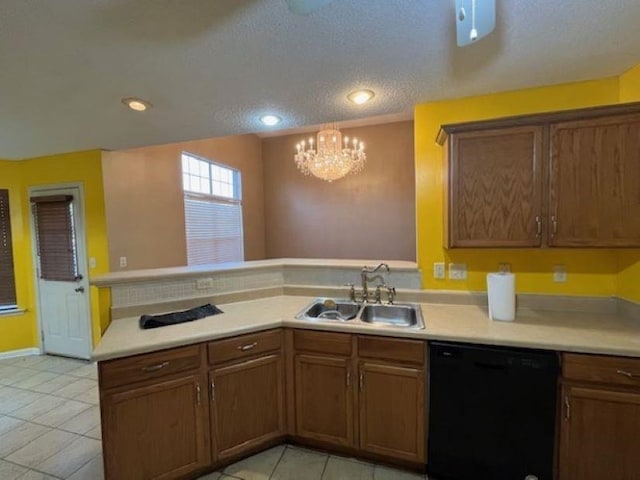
(80, 289)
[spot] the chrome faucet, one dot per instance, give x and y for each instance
(364, 277)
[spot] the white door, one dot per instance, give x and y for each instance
(61, 269)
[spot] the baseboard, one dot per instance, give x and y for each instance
(23, 352)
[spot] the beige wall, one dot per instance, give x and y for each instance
(370, 215)
(145, 206)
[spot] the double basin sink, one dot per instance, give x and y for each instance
(400, 315)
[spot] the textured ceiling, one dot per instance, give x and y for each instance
(211, 67)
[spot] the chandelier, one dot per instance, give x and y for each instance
(333, 159)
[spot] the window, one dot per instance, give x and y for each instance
(7, 279)
(212, 211)
(56, 237)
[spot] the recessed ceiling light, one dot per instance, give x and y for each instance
(361, 96)
(270, 120)
(136, 104)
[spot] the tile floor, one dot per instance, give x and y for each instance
(50, 430)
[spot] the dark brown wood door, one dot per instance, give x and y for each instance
(324, 399)
(157, 431)
(595, 183)
(495, 184)
(600, 434)
(392, 411)
(247, 404)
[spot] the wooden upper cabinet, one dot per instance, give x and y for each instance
(599, 434)
(157, 430)
(494, 188)
(559, 179)
(595, 182)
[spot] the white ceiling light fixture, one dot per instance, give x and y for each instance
(330, 158)
(475, 19)
(270, 120)
(136, 104)
(360, 97)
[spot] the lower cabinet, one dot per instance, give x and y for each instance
(361, 392)
(324, 399)
(247, 405)
(600, 421)
(392, 410)
(156, 430)
(600, 434)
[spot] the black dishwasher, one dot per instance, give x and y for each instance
(492, 412)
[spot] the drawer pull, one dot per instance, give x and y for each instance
(628, 374)
(249, 346)
(155, 368)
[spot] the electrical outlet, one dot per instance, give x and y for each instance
(204, 283)
(439, 270)
(92, 262)
(457, 271)
(559, 273)
(504, 267)
(123, 262)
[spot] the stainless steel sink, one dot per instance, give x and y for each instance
(398, 315)
(343, 311)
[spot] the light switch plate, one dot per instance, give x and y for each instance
(439, 270)
(92, 262)
(559, 273)
(123, 262)
(457, 271)
(504, 267)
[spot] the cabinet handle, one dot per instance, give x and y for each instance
(554, 224)
(154, 368)
(567, 409)
(348, 378)
(213, 390)
(538, 226)
(198, 394)
(361, 381)
(244, 348)
(628, 374)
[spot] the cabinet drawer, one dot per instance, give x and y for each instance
(322, 342)
(148, 366)
(222, 351)
(604, 369)
(411, 351)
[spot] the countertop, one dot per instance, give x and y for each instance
(562, 331)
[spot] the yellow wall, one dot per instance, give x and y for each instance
(20, 331)
(591, 272)
(630, 85)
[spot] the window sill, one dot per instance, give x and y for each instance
(12, 312)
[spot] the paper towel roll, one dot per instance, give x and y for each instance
(501, 290)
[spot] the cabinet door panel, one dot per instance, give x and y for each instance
(157, 431)
(495, 188)
(248, 404)
(324, 399)
(595, 183)
(392, 411)
(599, 434)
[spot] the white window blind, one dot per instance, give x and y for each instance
(213, 222)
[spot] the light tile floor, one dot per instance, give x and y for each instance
(50, 430)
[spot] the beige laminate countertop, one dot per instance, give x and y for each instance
(562, 331)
